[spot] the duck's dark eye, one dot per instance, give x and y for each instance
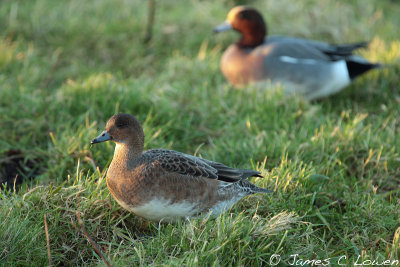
(121, 125)
(244, 15)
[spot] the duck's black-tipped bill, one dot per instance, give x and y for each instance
(226, 26)
(104, 136)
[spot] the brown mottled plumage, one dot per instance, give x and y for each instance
(165, 185)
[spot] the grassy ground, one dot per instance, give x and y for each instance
(67, 66)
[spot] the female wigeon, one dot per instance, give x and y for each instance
(165, 185)
(306, 67)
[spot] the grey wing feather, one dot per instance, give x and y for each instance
(334, 52)
(306, 77)
(291, 47)
(311, 71)
(173, 161)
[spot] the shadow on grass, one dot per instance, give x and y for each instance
(15, 168)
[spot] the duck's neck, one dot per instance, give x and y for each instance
(252, 37)
(126, 154)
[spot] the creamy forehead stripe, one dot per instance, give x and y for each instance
(234, 11)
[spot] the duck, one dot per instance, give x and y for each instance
(164, 185)
(313, 69)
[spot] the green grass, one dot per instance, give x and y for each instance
(67, 66)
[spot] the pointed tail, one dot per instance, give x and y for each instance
(251, 188)
(356, 68)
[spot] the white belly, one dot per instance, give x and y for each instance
(159, 209)
(164, 210)
(339, 79)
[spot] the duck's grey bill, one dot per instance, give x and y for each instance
(104, 136)
(226, 26)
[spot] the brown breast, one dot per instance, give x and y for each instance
(241, 66)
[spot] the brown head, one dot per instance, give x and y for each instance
(123, 129)
(249, 22)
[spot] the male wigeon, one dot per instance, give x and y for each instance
(310, 68)
(165, 185)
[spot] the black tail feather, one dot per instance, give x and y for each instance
(250, 173)
(249, 187)
(338, 52)
(357, 68)
(252, 189)
(347, 49)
